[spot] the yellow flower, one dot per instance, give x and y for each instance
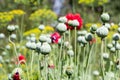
(0, 65)
(42, 15)
(95, 2)
(37, 32)
(114, 27)
(34, 31)
(17, 12)
(88, 25)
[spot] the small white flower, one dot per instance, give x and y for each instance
(2, 36)
(70, 52)
(105, 55)
(13, 36)
(7, 47)
(74, 23)
(107, 25)
(11, 28)
(41, 27)
(105, 17)
(102, 31)
(96, 73)
(63, 19)
(61, 27)
(33, 45)
(45, 48)
(116, 37)
(42, 38)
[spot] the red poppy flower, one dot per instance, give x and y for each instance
(77, 17)
(55, 37)
(21, 59)
(16, 76)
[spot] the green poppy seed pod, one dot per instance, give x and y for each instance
(45, 48)
(96, 73)
(61, 27)
(102, 32)
(41, 27)
(105, 55)
(38, 45)
(70, 52)
(32, 39)
(109, 46)
(107, 25)
(2, 35)
(69, 71)
(28, 44)
(88, 37)
(11, 28)
(81, 39)
(119, 24)
(119, 30)
(113, 49)
(116, 37)
(42, 38)
(73, 23)
(113, 43)
(33, 46)
(117, 46)
(105, 17)
(94, 27)
(82, 33)
(62, 19)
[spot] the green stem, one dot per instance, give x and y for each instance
(88, 56)
(46, 68)
(69, 36)
(101, 63)
(75, 47)
(32, 57)
(15, 49)
(27, 71)
(38, 68)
